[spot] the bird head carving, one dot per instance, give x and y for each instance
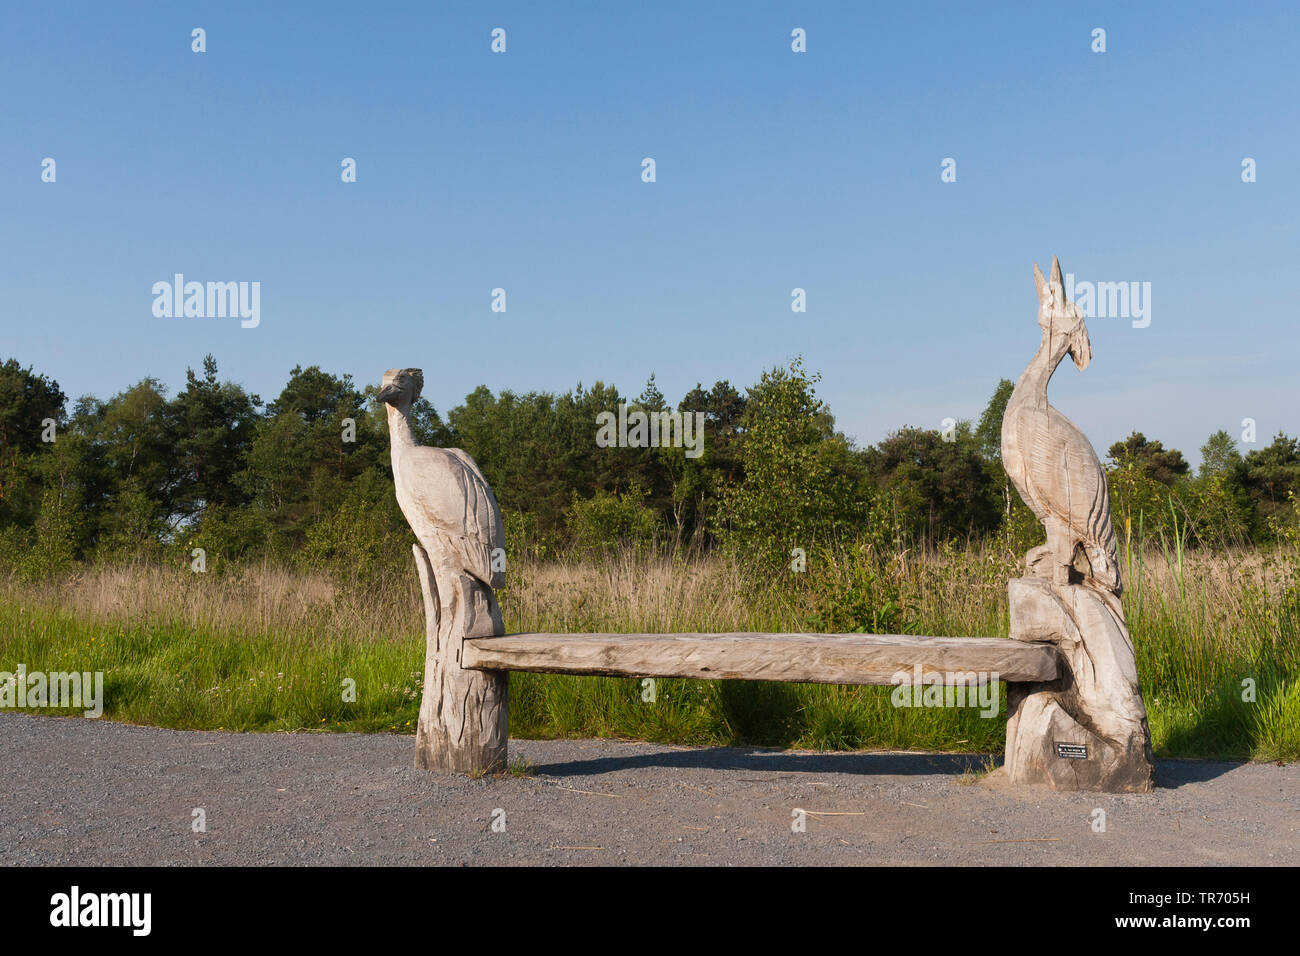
(1060, 318)
(401, 386)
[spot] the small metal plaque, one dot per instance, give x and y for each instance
(1073, 751)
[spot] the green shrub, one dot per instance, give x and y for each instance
(608, 522)
(364, 538)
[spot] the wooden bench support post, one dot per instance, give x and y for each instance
(463, 713)
(1086, 730)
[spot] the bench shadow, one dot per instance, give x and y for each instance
(773, 761)
(1171, 774)
(1176, 772)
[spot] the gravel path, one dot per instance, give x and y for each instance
(78, 791)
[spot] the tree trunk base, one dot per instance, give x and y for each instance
(463, 722)
(1088, 729)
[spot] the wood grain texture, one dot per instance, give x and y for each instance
(1050, 461)
(1088, 730)
(805, 658)
(441, 491)
(1096, 705)
(451, 509)
(463, 713)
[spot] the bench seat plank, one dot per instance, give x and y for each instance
(805, 658)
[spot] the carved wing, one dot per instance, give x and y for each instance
(1060, 475)
(454, 505)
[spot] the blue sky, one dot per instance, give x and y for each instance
(775, 170)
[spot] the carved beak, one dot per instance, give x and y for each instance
(388, 394)
(1080, 348)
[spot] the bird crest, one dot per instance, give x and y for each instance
(1057, 315)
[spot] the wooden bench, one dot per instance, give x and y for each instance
(464, 713)
(802, 658)
(1075, 715)
(1099, 744)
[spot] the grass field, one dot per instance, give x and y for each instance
(268, 648)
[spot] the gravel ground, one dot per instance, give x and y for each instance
(87, 792)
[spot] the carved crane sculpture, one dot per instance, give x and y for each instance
(442, 493)
(1052, 464)
(451, 509)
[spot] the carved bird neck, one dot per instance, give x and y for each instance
(400, 435)
(1032, 387)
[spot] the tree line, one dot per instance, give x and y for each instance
(307, 476)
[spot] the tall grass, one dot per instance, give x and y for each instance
(267, 648)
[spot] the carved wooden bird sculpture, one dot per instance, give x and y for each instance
(442, 493)
(1049, 460)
